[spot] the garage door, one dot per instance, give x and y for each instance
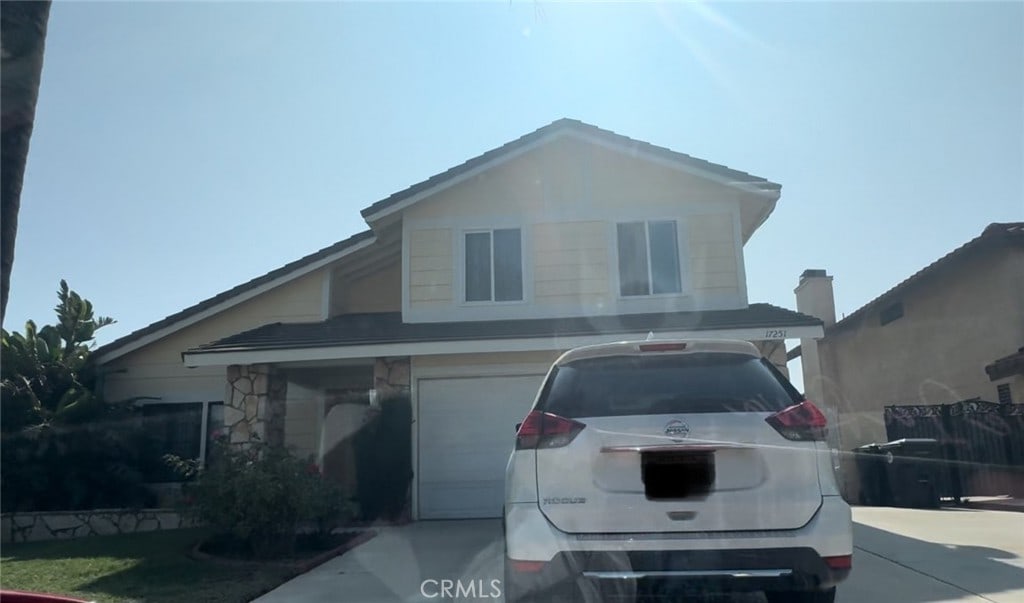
(466, 433)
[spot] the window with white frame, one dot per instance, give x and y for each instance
(648, 258)
(183, 429)
(494, 265)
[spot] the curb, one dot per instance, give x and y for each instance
(301, 566)
(995, 506)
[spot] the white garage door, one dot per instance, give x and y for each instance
(466, 433)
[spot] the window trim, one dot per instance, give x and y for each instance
(616, 280)
(461, 265)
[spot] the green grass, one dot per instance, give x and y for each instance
(151, 567)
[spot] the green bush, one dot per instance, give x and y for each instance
(261, 495)
(72, 468)
(63, 447)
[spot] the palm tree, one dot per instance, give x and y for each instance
(22, 38)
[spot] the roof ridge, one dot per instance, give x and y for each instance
(991, 232)
(558, 125)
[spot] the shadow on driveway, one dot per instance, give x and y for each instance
(893, 567)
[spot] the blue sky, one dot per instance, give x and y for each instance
(183, 148)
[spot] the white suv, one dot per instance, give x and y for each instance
(662, 469)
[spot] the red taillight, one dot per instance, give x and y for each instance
(801, 421)
(840, 562)
(662, 347)
(527, 566)
(545, 430)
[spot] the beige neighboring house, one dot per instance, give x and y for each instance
(952, 331)
(461, 293)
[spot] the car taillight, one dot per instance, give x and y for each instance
(839, 563)
(801, 421)
(525, 567)
(545, 430)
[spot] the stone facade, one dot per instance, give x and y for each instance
(391, 376)
(254, 404)
(63, 525)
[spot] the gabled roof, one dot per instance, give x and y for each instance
(375, 328)
(995, 235)
(234, 295)
(561, 127)
(329, 254)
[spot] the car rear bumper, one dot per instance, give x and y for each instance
(775, 559)
(672, 574)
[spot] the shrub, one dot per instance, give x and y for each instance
(260, 495)
(71, 468)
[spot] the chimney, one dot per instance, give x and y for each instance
(814, 296)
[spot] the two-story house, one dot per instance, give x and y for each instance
(461, 293)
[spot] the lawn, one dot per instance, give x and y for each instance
(150, 567)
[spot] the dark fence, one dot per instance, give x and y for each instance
(982, 443)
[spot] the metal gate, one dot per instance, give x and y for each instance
(982, 443)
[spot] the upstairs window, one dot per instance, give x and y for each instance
(494, 265)
(648, 258)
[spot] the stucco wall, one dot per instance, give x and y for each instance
(380, 291)
(157, 369)
(953, 325)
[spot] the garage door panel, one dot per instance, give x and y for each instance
(466, 432)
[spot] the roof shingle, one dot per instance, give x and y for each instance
(376, 328)
(995, 234)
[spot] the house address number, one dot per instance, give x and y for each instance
(775, 334)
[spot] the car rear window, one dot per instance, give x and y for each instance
(669, 384)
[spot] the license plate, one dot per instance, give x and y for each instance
(676, 475)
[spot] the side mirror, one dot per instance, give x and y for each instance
(518, 425)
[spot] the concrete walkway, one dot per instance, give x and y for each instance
(901, 555)
(393, 566)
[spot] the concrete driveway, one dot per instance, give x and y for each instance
(901, 556)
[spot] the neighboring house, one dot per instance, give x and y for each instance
(953, 331)
(462, 292)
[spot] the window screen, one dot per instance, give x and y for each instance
(648, 258)
(494, 265)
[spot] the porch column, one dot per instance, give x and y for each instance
(254, 404)
(391, 376)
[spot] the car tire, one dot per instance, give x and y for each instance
(801, 596)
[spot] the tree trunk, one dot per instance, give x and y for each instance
(22, 34)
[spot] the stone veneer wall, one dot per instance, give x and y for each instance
(254, 404)
(63, 525)
(391, 376)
